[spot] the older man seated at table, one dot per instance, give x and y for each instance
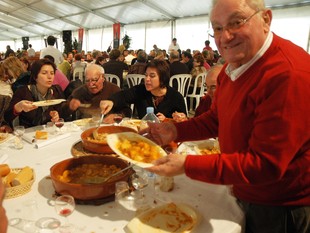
(85, 100)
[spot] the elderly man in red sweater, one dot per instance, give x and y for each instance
(261, 116)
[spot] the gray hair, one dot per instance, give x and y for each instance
(254, 4)
(174, 55)
(95, 67)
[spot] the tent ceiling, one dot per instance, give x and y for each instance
(35, 18)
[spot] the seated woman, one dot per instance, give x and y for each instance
(154, 92)
(15, 72)
(39, 89)
(6, 93)
(197, 69)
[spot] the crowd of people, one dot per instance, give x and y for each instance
(50, 74)
(256, 103)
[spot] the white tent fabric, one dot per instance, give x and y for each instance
(147, 22)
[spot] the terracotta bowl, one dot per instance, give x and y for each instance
(87, 191)
(102, 148)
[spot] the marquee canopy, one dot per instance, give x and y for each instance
(33, 18)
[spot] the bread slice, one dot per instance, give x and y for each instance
(41, 134)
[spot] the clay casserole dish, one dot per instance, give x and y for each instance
(87, 191)
(100, 147)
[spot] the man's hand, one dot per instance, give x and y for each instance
(74, 104)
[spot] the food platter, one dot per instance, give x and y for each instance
(85, 105)
(132, 123)
(4, 137)
(44, 103)
(166, 218)
(138, 150)
(202, 147)
(210, 146)
(82, 122)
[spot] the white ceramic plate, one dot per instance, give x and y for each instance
(4, 137)
(48, 102)
(203, 147)
(82, 122)
(85, 105)
(132, 123)
(114, 139)
(170, 217)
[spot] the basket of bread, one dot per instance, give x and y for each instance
(18, 181)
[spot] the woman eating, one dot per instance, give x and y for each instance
(154, 92)
(39, 89)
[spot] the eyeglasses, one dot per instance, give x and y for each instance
(93, 80)
(232, 26)
(209, 88)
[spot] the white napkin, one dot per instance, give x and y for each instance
(29, 138)
(42, 143)
(3, 158)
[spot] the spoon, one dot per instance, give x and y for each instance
(95, 132)
(100, 180)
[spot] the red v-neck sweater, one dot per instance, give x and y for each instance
(263, 123)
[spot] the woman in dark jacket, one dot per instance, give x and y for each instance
(154, 92)
(39, 89)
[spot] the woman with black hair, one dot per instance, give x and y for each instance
(154, 92)
(40, 88)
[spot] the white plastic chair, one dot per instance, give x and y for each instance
(181, 82)
(78, 72)
(201, 78)
(134, 79)
(112, 78)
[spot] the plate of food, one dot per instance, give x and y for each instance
(44, 103)
(82, 122)
(171, 217)
(85, 105)
(202, 147)
(132, 123)
(135, 148)
(207, 147)
(4, 137)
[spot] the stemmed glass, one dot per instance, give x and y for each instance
(60, 123)
(118, 118)
(64, 206)
(19, 132)
(123, 196)
(139, 181)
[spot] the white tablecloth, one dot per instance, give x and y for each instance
(218, 208)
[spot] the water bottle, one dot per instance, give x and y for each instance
(149, 117)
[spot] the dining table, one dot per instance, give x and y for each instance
(217, 208)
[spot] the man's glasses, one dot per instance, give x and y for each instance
(232, 26)
(209, 88)
(92, 80)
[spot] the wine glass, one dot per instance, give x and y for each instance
(47, 223)
(19, 132)
(118, 118)
(64, 206)
(139, 181)
(123, 196)
(60, 123)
